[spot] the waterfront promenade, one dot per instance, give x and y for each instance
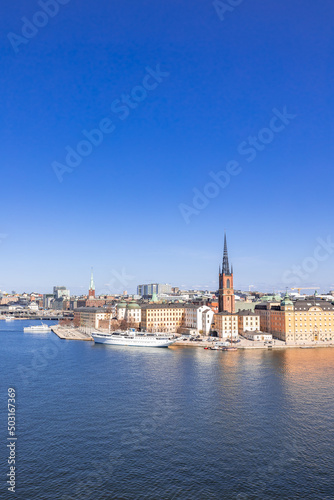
(250, 344)
(67, 333)
(70, 333)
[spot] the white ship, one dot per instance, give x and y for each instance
(133, 338)
(9, 318)
(37, 328)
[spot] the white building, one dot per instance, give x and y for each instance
(198, 318)
(248, 321)
(129, 312)
(120, 310)
(259, 336)
(33, 306)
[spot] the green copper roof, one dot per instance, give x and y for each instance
(133, 305)
(286, 301)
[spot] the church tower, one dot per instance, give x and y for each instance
(91, 292)
(226, 291)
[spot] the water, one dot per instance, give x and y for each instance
(98, 422)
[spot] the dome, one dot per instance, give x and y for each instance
(133, 305)
(286, 301)
(121, 304)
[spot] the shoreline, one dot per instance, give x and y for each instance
(76, 334)
(243, 347)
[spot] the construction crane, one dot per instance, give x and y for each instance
(305, 288)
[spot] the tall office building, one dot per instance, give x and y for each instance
(153, 288)
(61, 292)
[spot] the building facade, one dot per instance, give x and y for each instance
(162, 317)
(258, 336)
(226, 325)
(61, 292)
(89, 316)
(309, 319)
(153, 288)
(47, 300)
(248, 321)
(129, 312)
(198, 318)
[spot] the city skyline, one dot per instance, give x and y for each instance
(120, 281)
(240, 140)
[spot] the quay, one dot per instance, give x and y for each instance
(24, 317)
(248, 344)
(70, 333)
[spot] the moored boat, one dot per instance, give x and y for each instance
(132, 338)
(37, 328)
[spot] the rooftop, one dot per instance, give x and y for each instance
(162, 306)
(247, 312)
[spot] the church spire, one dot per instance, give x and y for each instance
(226, 266)
(91, 286)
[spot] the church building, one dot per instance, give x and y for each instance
(226, 291)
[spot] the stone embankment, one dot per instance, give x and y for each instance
(249, 344)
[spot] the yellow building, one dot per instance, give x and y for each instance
(225, 324)
(162, 317)
(309, 319)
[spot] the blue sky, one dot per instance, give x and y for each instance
(120, 209)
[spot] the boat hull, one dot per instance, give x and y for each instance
(133, 342)
(36, 330)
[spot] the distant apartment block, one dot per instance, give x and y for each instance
(153, 288)
(61, 292)
(47, 300)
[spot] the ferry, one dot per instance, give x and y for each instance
(9, 318)
(134, 339)
(43, 328)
